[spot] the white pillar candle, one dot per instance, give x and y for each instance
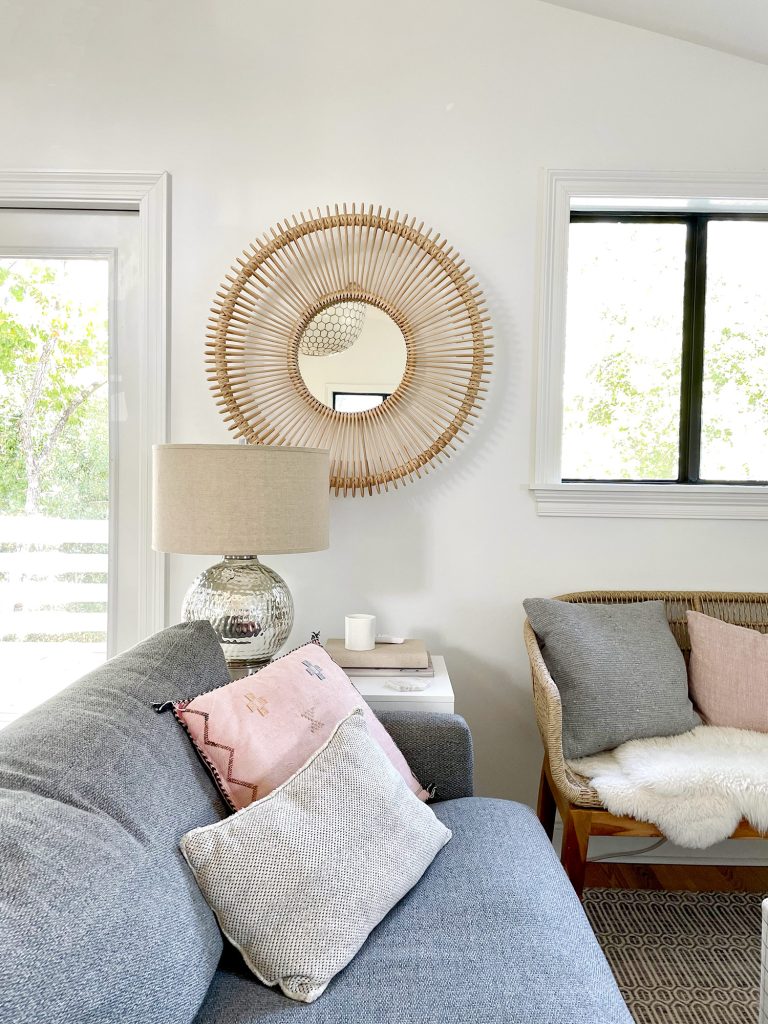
(360, 632)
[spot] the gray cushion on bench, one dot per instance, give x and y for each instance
(492, 934)
(618, 668)
(99, 915)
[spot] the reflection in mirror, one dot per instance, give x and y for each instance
(333, 330)
(349, 401)
(352, 375)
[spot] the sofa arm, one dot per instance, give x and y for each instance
(437, 747)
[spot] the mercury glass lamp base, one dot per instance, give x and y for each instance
(248, 605)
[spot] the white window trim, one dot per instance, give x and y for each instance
(149, 196)
(597, 190)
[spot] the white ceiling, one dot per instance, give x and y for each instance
(734, 26)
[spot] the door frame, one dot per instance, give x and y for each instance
(149, 195)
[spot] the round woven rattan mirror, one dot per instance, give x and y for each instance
(291, 346)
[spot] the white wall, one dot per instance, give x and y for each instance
(448, 110)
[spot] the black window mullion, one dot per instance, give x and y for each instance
(692, 367)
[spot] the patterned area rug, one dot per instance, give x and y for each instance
(681, 957)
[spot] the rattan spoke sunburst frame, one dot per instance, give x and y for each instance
(310, 262)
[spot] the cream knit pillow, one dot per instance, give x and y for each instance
(299, 879)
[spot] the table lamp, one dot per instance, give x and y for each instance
(235, 500)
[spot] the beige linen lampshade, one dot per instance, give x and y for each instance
(239, 499)
(239, 502)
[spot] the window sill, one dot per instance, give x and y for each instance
(652, 501)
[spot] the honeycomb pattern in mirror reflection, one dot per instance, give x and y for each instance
(333, 330)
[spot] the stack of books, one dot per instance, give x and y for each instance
(410, 659)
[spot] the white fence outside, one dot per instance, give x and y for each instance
(38, 579)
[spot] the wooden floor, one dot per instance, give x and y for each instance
(694, 878)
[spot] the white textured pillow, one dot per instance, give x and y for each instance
(299, 879)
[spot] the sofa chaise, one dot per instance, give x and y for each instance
(102, 921)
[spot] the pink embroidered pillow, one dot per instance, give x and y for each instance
(256, 732)
(729, 673)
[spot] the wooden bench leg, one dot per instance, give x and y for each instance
(546, 807)
(576, 828)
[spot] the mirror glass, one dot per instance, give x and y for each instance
(352, 356)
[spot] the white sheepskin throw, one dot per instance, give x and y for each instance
(695, 787)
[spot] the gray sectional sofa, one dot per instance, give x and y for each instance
(102, 921)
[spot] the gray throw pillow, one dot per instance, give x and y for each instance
(299, 879)
(618, 668)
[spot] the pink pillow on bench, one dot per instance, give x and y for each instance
(256, 732)
(728, 673)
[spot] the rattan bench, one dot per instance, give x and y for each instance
(562, 789)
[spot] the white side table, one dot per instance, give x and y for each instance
(438, 696)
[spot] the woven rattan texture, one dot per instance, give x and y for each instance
(742, 609)
(352, 255)
(299, 879)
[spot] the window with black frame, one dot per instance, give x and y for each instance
(358, 401)
(666, 354)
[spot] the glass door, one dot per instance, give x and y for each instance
(69, 385)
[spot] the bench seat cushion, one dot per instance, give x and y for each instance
(492, 934)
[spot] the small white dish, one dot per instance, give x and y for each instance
(408, 684)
